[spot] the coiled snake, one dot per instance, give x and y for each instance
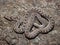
(25, 25)
(29, 21)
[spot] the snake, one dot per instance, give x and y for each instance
(24, 25)
(43, 28)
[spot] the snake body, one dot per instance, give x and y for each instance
(25, 24)
(40, 29)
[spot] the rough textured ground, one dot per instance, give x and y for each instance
(16, 8)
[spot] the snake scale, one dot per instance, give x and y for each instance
(25, 25)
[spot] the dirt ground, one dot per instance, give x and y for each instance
(16, 8)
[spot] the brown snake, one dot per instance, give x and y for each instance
(25, 25)
(28, 22)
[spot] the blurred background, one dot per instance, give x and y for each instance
(17, 7)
